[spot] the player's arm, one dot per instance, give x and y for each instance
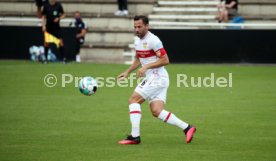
(62, 12)
(62, 16)
(43, 22)
(56, 20)
(133, 66)
(163, 60)
(82, 34)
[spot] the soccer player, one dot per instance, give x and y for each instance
(81, 31)
(153, 57)
(52, 13)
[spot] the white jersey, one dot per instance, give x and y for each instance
(146, 49)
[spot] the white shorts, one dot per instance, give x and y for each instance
(153, 87)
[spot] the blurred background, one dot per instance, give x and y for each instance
(190, 30)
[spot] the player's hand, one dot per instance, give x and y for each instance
(44, 28)
(56, 20)
(141, 72)
(122, 76)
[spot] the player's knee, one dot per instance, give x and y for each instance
(155, 112)
(136, 99)
(132, 99)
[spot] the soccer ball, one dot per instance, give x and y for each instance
(88, 86)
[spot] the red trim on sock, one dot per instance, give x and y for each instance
(167, 118)
(135, 112)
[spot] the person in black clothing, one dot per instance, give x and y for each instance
(81, 31)
(40, 4)
(226, 9)
(52, 13)
(122, 8)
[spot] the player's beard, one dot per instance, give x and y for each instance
(140, 34)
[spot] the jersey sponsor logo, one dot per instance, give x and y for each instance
(145, 53)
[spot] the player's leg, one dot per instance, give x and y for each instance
(120, 4)
(56, 31)
(61, 50)
(125, 9)
(135, 115)
(78, 45)
(157, 108)
(135, 102)
(124, 4)
(46, 49)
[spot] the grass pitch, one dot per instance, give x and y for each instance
(38, 123)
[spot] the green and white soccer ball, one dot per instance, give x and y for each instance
(88, 86)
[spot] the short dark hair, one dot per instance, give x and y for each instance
(145, 19)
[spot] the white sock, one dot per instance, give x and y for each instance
(171, 119)
(135, 117)
(78, 58)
